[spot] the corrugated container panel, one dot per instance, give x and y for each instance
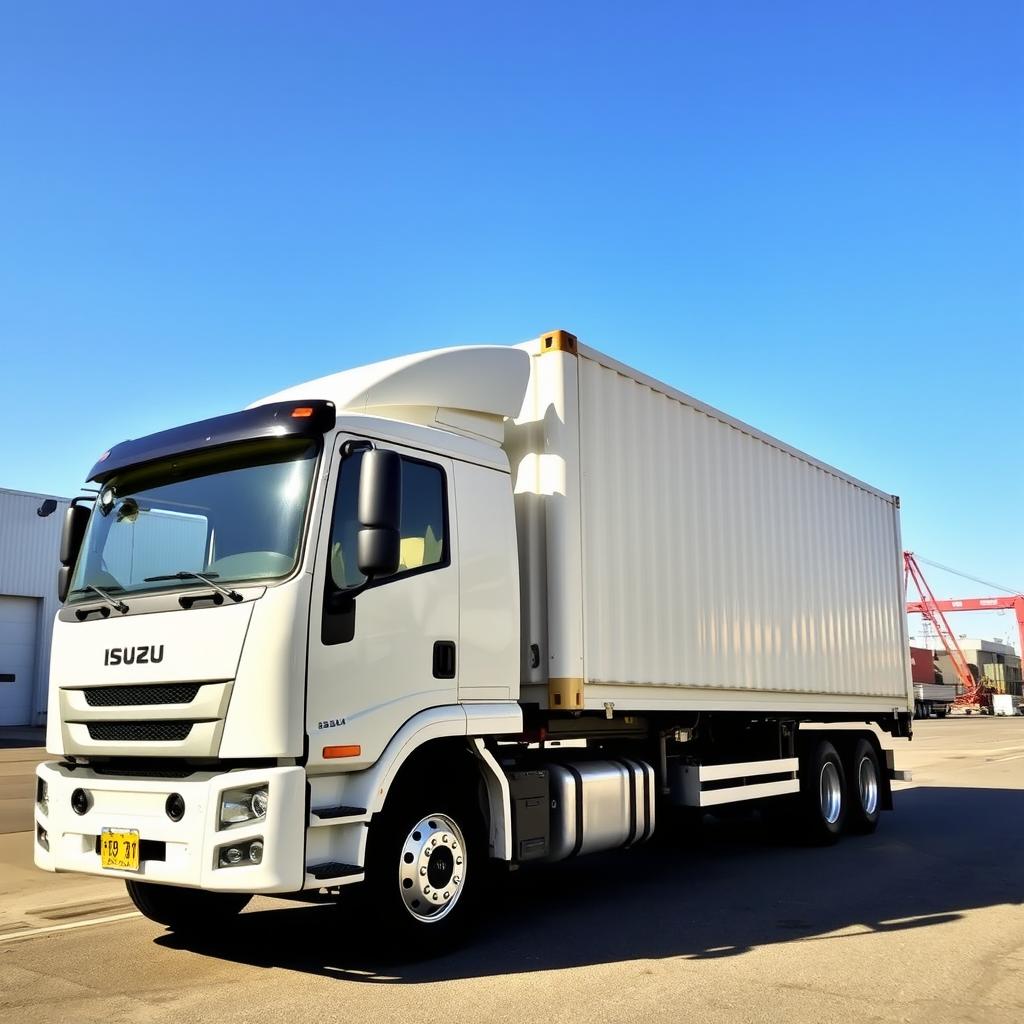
(29, 548)
(673, 556)
(715, 558)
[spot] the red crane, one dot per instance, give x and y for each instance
(973, 691)
(1009, 602)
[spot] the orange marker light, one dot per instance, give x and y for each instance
(351, 750)
(302, 412)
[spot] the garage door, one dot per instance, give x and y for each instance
(19, 621)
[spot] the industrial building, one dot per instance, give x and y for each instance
(30, 527)
(991, 662)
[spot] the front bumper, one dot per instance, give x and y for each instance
(182, 852)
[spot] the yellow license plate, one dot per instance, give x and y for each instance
(119, 850)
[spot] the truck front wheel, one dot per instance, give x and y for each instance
(425, 864)
(184, 910)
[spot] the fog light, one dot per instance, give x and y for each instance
(80, 801)
(175, 807)
(43, 795)
(232, 855)
(43, 837)
(244, 854)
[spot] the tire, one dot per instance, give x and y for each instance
(186, 910)
(426, 869)
(823, 794)
(864, 772)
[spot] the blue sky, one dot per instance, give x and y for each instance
(810, 215)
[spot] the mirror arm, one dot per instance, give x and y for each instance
(337, 596)
(350, 447)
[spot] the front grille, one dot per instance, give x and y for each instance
(128, 696)
(133, 771)
(139, 732)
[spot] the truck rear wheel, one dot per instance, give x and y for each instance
(823, 793)
(865, 788)
(425, 866)
(184, 910)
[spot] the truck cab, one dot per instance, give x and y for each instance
(259, 606)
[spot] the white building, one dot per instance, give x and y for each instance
(29, 548)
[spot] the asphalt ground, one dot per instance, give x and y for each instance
(921, 922)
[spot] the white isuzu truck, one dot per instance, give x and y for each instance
(343, 637)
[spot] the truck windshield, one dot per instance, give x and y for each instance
(234, 514)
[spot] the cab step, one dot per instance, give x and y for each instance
(342, 811)
(333, 869)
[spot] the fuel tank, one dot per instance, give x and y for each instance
(599, 805)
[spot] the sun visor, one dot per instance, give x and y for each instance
(276, 419)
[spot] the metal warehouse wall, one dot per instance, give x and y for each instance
(29, 547)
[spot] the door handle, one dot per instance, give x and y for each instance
(444, 659)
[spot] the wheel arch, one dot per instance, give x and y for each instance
(449, 736)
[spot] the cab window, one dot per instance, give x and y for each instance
(424, 521)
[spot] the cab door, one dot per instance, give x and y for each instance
(378, 658)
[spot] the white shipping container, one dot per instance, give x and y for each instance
(675, 558)
(1005, 704)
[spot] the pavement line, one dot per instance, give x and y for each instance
(67, 927)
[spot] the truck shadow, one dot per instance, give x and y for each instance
(945, 851)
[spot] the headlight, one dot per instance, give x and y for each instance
(43, 795)
(241, 805)
(260, 799)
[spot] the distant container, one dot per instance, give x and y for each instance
(922, 665)
(1005, 704)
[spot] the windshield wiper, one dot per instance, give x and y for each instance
(118, 606)
(234, 595)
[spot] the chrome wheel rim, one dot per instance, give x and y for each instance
(432, 868)
(830, 792)
(868, 780)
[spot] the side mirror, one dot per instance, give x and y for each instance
(378, 544)
(76, 519)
